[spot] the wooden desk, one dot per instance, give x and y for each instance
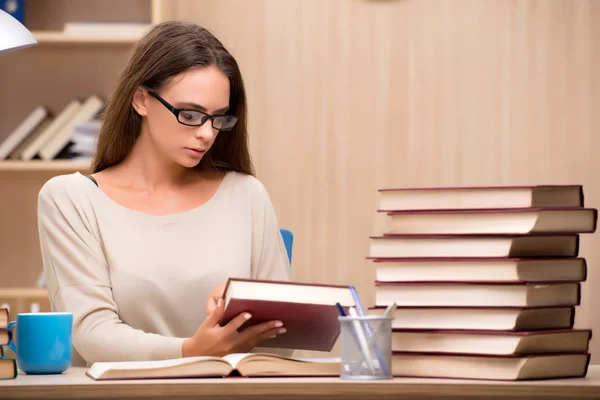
(75, 385)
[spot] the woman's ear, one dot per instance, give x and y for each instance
(139, 102)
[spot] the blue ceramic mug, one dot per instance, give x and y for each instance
(44, 342)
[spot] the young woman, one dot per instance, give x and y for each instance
(139, 250)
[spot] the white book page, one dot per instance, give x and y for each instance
(101, 367)
(235, 358)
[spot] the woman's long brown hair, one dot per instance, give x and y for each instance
(169, 49)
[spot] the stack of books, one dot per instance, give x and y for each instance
(486, 280)
(48, 136)
(8, 365)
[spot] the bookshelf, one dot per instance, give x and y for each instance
(46, 37)
(61, 166)
(62, 67)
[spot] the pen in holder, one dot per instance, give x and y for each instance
(364, 356)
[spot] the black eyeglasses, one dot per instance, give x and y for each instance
(190, 117)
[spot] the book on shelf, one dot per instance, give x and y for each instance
(307, 310)
(243, 364)
(106, 29)
(486, 197)
(25, 129)
(46, 136)
(493, 221)
(17, 152)
(43, 137)
(61, 138)
(501, 269)
(473, 318)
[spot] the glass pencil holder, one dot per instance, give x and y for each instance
(366, 347)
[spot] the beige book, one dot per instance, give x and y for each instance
(52, 129)
(104, 29)
(90, 107)
(473, 246)
(4, 316)
(436, 294)
(246, 364)
(17, 153)
(499, 221)
(509, 368)
(481, 269)
(433, 198)
(489, 318)
(492, 342)
(25, 128)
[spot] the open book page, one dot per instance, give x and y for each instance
(245, 364)
(180, 367)
(268, 364)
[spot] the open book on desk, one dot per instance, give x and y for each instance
(240, 364)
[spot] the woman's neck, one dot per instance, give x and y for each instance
(151, 171)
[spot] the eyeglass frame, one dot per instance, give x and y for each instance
(175, 111)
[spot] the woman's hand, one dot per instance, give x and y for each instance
(212, 339)
(215, 295)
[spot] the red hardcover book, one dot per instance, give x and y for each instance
(478, 294)
(486, 367)
(496, 318)
(499, 269)
(473, 245)
(489, 342)
(493, 221)
(432, 198)
(307, 310)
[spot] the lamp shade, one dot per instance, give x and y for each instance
(13, 35)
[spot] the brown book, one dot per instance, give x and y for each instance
(469, 246)
(432, 198)
(492, 342)
(8, 368)
(506, 368)
(4, 337)
(495, 221)
(489, 318)
(4, 313)
(307, 310)
(438, 294)
(480, 269)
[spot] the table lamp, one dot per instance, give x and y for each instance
(13, 35)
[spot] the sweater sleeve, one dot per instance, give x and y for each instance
(78, 281)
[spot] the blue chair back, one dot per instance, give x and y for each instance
(288, 240)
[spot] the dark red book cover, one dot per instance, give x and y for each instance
(308, 326)
(498, 332)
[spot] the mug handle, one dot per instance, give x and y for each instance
(11, 343)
